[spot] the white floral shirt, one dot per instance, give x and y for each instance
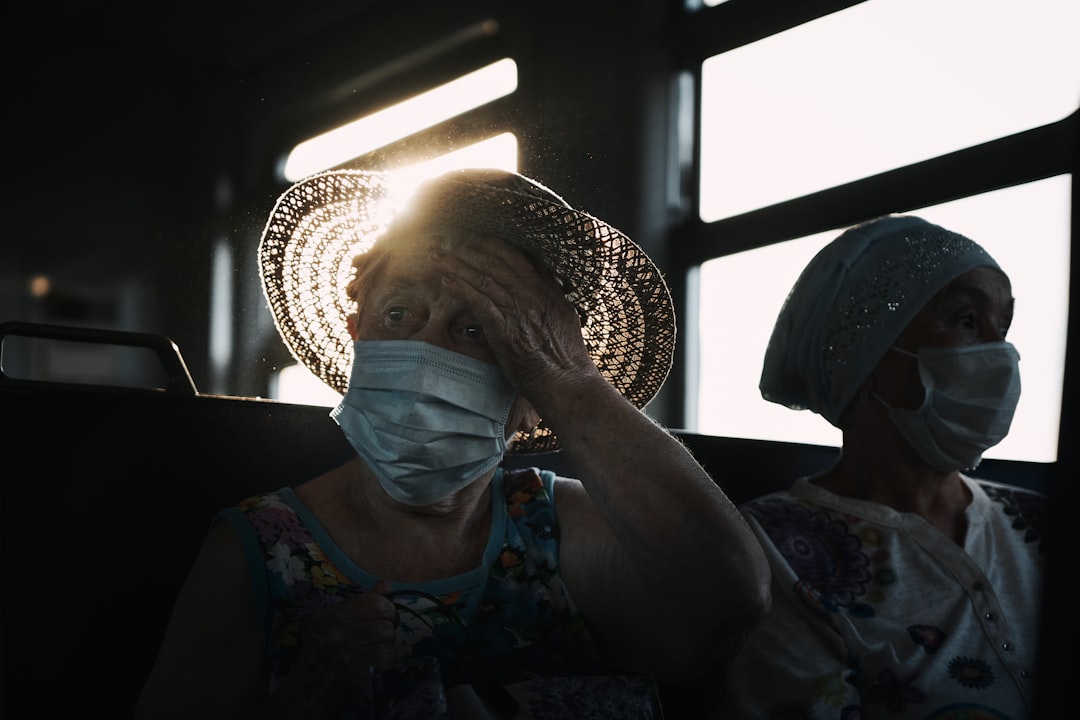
(877, 614)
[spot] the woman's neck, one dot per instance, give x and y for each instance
(397, 541)
(882, 477)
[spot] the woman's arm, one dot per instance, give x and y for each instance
(795, 664)
(658, 559)
(664, 567)
(212, 661)
(210, 664)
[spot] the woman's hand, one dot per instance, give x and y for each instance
(533, 329)
(341, 645)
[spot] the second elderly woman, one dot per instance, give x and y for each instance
(903, 586)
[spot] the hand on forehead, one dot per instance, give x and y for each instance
(485, 245)
(488, 254)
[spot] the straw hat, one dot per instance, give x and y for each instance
(319, 224)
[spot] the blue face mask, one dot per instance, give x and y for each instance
(426, 420)
(971, 395)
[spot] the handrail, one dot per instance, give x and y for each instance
(179, 379)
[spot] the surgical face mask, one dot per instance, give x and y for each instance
(426, 420)
(971, 395)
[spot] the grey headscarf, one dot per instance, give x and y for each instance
(850, 304)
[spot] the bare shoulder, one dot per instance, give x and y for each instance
(587, 539)
(572, 502)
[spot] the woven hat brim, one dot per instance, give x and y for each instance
(319, 224)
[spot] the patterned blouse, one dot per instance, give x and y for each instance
(877, 614)
(509, 620)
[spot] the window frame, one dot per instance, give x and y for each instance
(1026, 156)
(1034, 154)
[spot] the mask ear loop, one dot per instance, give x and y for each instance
(867, 390)
(902, 351)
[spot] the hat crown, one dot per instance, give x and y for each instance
(525, 186)
(468, 180)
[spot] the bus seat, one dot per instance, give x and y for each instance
(106, 493)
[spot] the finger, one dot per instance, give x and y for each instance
(381, 587)
(371, 607)
(488, 276)
(366, 639)
(507, 288)
(493, 262)
(488, 254)
(490, 300)
(352, 614)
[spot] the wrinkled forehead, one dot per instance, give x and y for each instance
(986, 278)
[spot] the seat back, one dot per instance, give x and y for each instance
(106, 493)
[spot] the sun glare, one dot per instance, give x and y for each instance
(297, 384)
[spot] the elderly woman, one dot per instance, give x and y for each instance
(424, 578)
(902, 587)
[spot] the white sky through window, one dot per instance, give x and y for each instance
(876, 86)
(1024, 228)
(880, 85)
(402, 119)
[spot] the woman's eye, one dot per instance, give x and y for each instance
(396, 313)
(967, 320)
(474, 332)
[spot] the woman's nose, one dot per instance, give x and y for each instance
(436, 329)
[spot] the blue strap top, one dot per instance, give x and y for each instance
(509, 618)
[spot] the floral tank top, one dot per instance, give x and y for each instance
(508, 619)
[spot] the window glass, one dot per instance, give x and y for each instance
(402, 119)
(1025, 228)
(297, 384)
(876, 86)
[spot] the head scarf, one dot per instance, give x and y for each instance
(851, 302)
